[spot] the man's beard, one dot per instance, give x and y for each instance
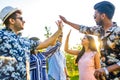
(100, 23)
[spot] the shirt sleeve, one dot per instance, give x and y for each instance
(52, 50)
(93, 30)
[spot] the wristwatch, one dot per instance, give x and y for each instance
(118, 63)
(106, 71)
(67, 76)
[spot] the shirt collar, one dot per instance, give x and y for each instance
(10, 31)
(112, 28)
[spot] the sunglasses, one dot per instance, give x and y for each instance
(20, 18)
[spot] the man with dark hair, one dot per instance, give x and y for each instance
(109, 36)
(15, 50)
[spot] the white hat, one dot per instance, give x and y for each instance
(7, 11)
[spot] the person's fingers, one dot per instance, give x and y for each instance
(97, 74)
(70, 31)
(62, 18)
(60, 22)
(56, 23)
(103, 75)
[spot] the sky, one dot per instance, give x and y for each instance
(40, 13)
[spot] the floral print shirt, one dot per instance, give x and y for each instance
(14, 51)
(109, 43)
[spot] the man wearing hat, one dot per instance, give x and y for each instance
(15, 50)
(109, 35)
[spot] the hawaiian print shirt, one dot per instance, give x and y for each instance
(109, 44)
(14, 51)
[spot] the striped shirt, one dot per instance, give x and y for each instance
(38, 64)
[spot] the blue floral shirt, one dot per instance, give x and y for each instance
(109, 44)
(14, 51)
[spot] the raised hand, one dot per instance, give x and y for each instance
(63, 18)
(99, 74)
(59, 24)
(69, 33)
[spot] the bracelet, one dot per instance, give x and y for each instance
(118, 63)
(106, 71)
(67, 76)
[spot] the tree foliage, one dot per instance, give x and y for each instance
(48, 33)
